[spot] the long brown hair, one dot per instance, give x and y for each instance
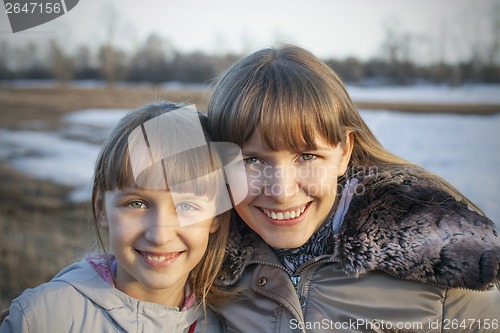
(288, 95)
(113, 170)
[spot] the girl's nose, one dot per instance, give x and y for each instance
(161, 230)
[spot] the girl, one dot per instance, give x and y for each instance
(337, 234)
(158, 192)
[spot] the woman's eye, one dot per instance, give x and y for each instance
(308, 157)
(136, 204)
(186, 207)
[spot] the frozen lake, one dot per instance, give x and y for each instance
(463, 149)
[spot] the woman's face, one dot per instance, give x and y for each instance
(290, 194)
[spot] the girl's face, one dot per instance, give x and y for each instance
(291, 194)
(154, 253)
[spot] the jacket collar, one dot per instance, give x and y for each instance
(122, 308)
(400, 224)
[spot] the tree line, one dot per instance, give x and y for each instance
(157, 61)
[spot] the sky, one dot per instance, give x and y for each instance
(329, 28)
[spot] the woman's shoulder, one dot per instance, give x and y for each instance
(405, 225)
(397, 192)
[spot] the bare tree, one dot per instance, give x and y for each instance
(61, 63)
(493, 57)
(4, 57)
(112, 63)
(397, 50)
(153, 61)
(110, 58)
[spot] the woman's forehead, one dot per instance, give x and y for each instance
(259, 143)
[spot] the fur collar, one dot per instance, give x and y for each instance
(400, 224)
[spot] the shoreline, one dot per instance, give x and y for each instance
(20, 106)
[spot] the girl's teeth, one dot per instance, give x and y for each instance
(156, 259)
(284, 215)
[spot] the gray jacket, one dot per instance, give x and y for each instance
(79, 300)
(408, 258)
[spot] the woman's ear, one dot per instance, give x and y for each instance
(100, 212)
(347, 148)
(215, 225)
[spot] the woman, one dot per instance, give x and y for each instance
(336, 233)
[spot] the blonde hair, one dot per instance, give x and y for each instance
(113, 170)
(289, 95)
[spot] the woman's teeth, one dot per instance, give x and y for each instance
(284, 215)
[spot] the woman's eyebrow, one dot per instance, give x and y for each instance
(252, 152)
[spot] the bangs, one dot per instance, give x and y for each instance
(160, 149)
(291, 112)
(194, 171)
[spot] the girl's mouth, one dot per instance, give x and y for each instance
(159, 259)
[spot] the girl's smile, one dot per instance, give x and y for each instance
(155, 253)
(160, 259)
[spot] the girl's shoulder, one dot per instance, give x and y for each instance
(61, 289)
(51, 306)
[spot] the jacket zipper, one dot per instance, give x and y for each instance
(296, 277)
(300, 284)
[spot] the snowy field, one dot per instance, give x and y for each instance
(463, 149)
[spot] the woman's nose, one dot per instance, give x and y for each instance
(282, 184)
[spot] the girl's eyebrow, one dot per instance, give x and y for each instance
(136, 192)
(190, 196)
(130, 190)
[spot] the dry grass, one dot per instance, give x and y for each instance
(20, 108)
(40, 232)
(432, 108)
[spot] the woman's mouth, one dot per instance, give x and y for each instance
(284, 215)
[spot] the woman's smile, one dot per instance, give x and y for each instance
(291, 193)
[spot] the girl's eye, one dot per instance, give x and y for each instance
(251, 160)
(307, 157)
(137, 205)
